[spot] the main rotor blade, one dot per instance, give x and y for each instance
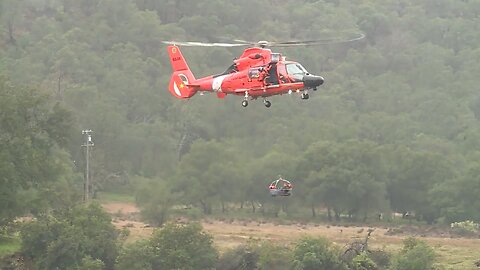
(246, 42)
(243, 43)
(203, 44)
(316, 41)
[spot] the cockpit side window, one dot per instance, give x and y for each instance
(295, 71)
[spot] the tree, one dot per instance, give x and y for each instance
(83, 235)
(207, 174)
(415, 74)
(174, 246)
(155, 199)
(458, 198)
(138, 255)
(262, 172)
(32, 131)
(348, 176)
(183, 247)
(319, 254)
(413, 175)
(9, 12)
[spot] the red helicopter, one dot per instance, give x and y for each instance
(258, 72)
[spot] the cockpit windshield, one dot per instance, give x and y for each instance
(296, 71)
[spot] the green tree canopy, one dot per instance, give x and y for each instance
(32, 131)
(175, 246)
(83, 235)
(319, 253)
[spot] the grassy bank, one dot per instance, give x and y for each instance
(9, 245)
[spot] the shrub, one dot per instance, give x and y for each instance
(465, 228)
(80, 236)
(176, 246)
(274, 257)
(363, 262)
(318, 254)
(183, 247)
(138, 256)
(88, 263)
(240, 258)
(380, 257)
(415, 255)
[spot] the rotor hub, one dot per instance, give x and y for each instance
(262, 43)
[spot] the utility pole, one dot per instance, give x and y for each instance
(88, 143)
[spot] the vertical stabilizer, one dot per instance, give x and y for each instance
(182, 77)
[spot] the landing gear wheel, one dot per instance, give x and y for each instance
(245, 103)
(305, 96)
(267, 103)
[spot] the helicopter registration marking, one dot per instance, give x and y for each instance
(217, 83)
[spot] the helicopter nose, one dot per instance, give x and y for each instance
(312, 81)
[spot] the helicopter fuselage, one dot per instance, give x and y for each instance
(256, 73)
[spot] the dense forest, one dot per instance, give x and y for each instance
(395, 127)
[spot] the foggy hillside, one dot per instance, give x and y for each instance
(394, 130)
(395, 126)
